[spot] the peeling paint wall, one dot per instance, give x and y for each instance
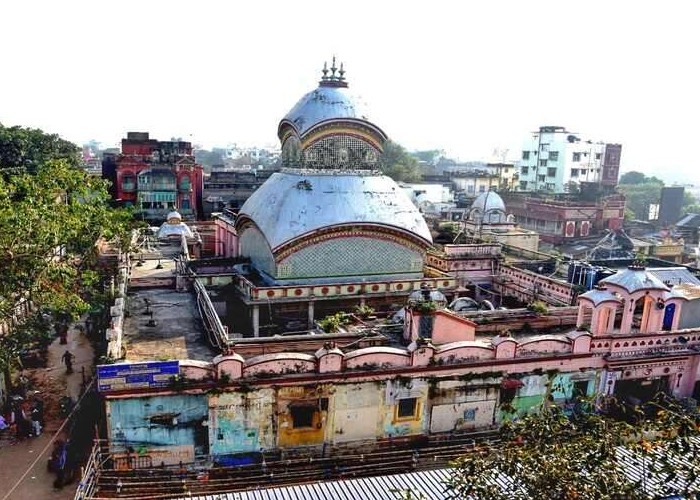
(356, 411)
(567, 386)
(458, 405)
(242, 422)
(394, 424)
(267, 418)
(528, 398)
(168, 427)
(302, 413)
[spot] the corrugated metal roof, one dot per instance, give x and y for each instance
(687, 290)
(689, 220)
(674, 275)
(429, 483)
(289, 205)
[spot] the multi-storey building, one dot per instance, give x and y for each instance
(156, 177)
(560, 218)
(255, 154)
(230, 188)
(557, 160)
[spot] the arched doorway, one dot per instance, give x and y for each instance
(669, 314)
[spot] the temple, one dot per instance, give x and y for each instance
(328, 320)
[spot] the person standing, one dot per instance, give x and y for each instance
(62, 331)
(36, 419)
(67, 359)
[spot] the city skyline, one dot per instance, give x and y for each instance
(472, 80)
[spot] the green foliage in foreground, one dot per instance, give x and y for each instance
(551, 455)
(52, 214)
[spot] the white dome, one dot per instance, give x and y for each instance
(174, 217)
(488, 207)
(289, 205)
(322, 104)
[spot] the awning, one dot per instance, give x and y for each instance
(511, 383)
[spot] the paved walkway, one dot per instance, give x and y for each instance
(23, 472)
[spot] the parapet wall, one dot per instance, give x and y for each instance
(330, 359)
(114, 332)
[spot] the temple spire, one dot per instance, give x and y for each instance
(336, 78)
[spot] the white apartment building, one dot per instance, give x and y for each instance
(256, 154)
(556, 160)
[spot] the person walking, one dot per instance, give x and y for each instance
(67, 358)
(36, 419)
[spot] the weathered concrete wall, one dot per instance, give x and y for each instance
(168, 428)
(302, 412)
(396, 424)
(242, 421)
(463, 405)
(355, 411)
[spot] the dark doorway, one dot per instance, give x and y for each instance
(668, 317)
(201, 439)
(639, 391)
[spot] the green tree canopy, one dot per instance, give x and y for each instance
(551, 455)
(52, 214)
(639, 197)
(398, 164)
(26, 149)
(209, 159)
(634, 177)
(691, 205)
(429, 156)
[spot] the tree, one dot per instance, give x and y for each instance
(26, 149)
(429, 156)
(583, 455)
(52, 214)
(398, 164)
(632, 177)
(209, 159)
(640, 196)
(690, 203)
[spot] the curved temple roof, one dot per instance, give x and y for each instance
(633, 279)
(324, 103)
(599, 296)
(289, 205)
(487, 201)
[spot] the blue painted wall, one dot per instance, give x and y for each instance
(159, 421)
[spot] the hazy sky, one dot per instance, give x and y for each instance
(467, 77)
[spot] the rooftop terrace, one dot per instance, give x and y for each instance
(163, 324)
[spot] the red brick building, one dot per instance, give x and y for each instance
(157, 177)
(561, 219)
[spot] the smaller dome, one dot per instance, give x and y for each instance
(428, 294)
(174, 217)
(325, 103)
(488, 207)
(173, 226)
(490, 200)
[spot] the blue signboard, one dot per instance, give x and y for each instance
(124, 376)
